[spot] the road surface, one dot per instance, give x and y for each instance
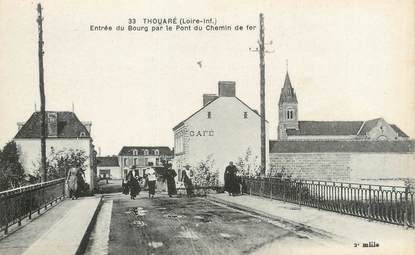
(166, 225)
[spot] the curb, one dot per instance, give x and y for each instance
(84, 242)
(305, 230)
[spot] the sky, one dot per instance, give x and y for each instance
(347, 60)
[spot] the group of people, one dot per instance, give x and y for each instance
(232, 180)
(131, 185)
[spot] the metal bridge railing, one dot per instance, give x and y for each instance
(391, 204)
(19, 203)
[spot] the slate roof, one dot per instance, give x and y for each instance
(69, 126)
(128, 150)
(287, 94)
(107, 161)
(284, 146)
(328, 128)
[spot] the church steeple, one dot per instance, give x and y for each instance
(287, 92)
(288, 108)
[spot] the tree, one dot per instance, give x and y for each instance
(11, 171)
(248, 165)
(59, 162)
(204, 175)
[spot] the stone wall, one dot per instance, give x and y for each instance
(317, 166)
(345, 166)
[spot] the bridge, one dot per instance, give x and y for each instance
(273, 214)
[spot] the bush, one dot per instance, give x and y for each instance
(11, 171)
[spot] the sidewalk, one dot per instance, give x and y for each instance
(60, 230)
(343, 229)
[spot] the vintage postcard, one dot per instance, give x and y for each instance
(207, 127)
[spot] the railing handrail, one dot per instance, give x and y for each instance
(374, 202)
(29, 187)
(325, 182)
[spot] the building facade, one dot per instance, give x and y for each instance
(108, 167)
(291, 128)
(223, 130)
(64, 132)
(141, 157)
(371, 150)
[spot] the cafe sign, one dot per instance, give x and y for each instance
(201, 133)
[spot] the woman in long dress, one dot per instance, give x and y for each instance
(72, 181)
(171, 183)
(133, 185)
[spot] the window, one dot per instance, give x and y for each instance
(145, 152)
(245, 115)
(135, 152)
(156, 152)
(157, 161)
(146, 161)
(136, 161)
(209, 115)
(290, 114)
(125, 161)
(82, 134)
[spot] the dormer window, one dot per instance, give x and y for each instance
(82, 134)
(145, 152)
(245, 115)
(209, 115)
(156, 152)
(135, 152)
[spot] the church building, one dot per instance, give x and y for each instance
(290, 128)
(338, 150)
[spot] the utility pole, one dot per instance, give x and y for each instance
(262, 51)
(42, 97)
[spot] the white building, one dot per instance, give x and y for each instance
(64, 132)
(108, 167)
(223, 129)
(141, 157)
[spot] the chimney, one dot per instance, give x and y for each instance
(87, 125)
(207, 98)
(20, 125)
(52, 124)
(226, 88)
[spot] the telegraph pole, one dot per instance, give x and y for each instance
(42, 97)
(262, 51)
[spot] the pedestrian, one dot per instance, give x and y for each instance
(231, 180)
(133, 185)
(72, 182)
(171, 182)
(125, 189)
(151, 181)
(187, 184)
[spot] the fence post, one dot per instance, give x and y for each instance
(369, 208)
(405, 214)
(299, 193)
(318, 196)
(283, 190)
(341, 197)
(270, 183)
